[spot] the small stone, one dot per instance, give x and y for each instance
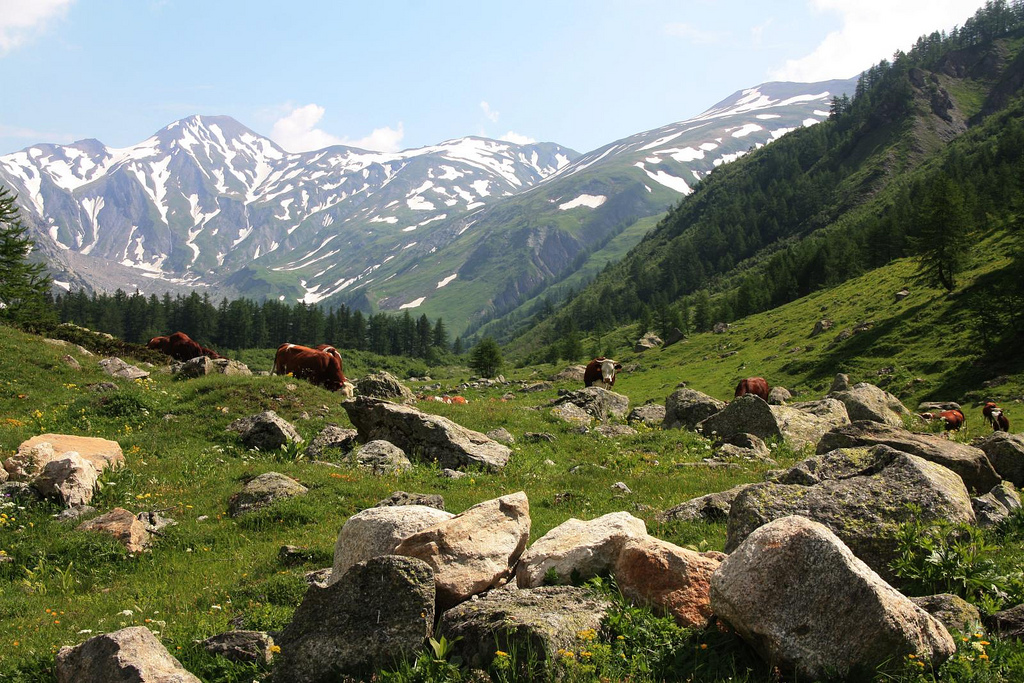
(263, 491)
(501, 435)
(241, 646)
(123, 526)
(620, 487)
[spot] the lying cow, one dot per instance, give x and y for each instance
(996, 418)
(321, 368)
(753, 385)
(601, 370)
(180, 347)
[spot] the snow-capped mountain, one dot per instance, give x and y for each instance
(205, 197)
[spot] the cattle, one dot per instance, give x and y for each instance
(450, 400)
(320, 367)
(996, 418)
(601, 370)
(753, 385)
(180, 347)
(953, 419)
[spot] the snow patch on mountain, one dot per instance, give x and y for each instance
(447, 280)
(588, 200)
(414, 303)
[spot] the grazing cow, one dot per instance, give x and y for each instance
(996, 418)
(753, 385)
(321, 368)
(180, 347)
(954, 419)
(601, 370)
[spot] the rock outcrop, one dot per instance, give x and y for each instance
(596, 402)
(686, 408)
(264, 431)
(384, 385)
(377, 531)
(131, 655)
(263, 491)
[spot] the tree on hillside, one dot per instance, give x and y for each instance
(23, 285)
(944, 239)
(486, 357)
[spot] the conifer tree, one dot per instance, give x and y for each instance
(23, 285)
(486, 357)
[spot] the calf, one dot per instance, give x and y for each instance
(601, 370)
(753, 385)
(996, 418)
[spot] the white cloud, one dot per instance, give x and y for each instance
(872, 30)
(697, 36)
(20, 20)
(517, 139)
(489, 113)
(297, 132)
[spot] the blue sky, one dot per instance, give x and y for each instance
(394, 74)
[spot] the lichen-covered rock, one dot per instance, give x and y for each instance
(970, 463)
(124, 526)
(381, 611)
(798, 595)
(264, 491)
(377, 531)
(131, 655)
(865, 401)
(778, 396)
(382, 457)
(264, 431)
(200, 366)
(533, 623)
(596, 402)
(475, 550)
(573, 373)
(615, 431)
(385, 386)
(668, 579)
(713, 507)
(572, 413)
(1008, 623)
(399, 498)
(996, 505)
(955, 613)
(68, 479)
(862, 506)
(115, 367)
(748, 413)
(803, 424)
(647, 342)
(1006, 453)
(501, 435)
(331, 437)
(686, 408)
(424, 437)
(578, 550)
(241, 646)
(34, 453)
(841, 382)
(650, 415)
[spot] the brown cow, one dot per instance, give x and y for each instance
(601, 370)
(180, 347)
(753, 385)
(996, 418)
(954, 419)
(320, 367)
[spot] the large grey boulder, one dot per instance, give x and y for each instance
(863, 504)
(378, 613)
(748, 413)
(578, 550)
(131, 655)
(263, 491)
(1006, 453)
(713, 507)
(115, 367)
(424, 437)
(475, 550)
(970, 463)
(597, 402)
(686, 408)
(331, 437)
(798, 595)
(803, 424)
(34, 453)
(572, 413)
(573, 373)
(200, 366)
(996, 505)
(264, 431)
(800, 424)
(865, 401)
(385, 386)
(69, 479)
(382, 457)
(533, 623)
(376, 531)
(650, 415)
(778, 396)
(647, 342)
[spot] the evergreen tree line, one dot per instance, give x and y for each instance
(791, 219)
(244, 323)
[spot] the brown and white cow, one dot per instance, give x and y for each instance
(601, 370)
(180, 347)
(321, 368)
(953, 419)
(996, 418)
(753, 385)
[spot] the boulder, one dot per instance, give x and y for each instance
(615, 431)
(651, 415)
(385, 386)
(778, 396)
(68, 479)
(970, 463)
(1006, 453)
(33, 454)
(200, 366)
(955, 613)
(578, 550)
(115, 367)
(1008, 623)
(264, 491)
(383, 457)
(996, 505)
(331, 437)
(241, 646)
(863, 504)
(399, 498)
(533, 623)
(264, 431)
(748, 413)
(380, 612)
(647, 342)
(501, 435)
(686, 408)
(3, 475)
(803, 424)
(573, 373)
(674, 336)
(71, 362)
(865, 401)
(475, 550)
(821, 326)
(123, 526)
(131, 655)
(745, 444)
(536, 387)
(226, 366)
(714, 507)
(937, 406)
(597, 402)
(720, 328)
(902, 294)
(841, 382)
(670, 580)
(571, 413)
(798, 595)
(424, 437)
(376, 531)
